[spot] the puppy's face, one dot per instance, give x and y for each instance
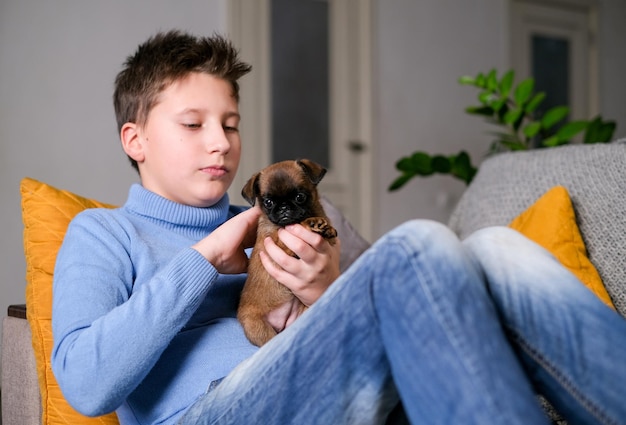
(286, 191)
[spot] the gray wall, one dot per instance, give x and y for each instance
(58, 60)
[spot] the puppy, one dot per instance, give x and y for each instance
(287, 194)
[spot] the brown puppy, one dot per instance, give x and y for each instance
(287, 194)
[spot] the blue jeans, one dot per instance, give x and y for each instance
(460, 332)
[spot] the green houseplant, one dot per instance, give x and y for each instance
(515, 109)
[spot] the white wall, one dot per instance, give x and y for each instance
(58, 61)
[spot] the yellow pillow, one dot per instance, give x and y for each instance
(551, 223)
(46, 213)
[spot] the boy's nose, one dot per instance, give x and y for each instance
(218, 142)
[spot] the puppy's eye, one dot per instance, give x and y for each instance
(300, 198)
(268, 203)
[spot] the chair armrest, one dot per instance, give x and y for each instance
(21, 401)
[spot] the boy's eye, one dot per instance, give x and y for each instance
(192, 125)
(230, 129)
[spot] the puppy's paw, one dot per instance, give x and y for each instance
(321, 226)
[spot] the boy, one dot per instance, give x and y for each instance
(142, 292)
(144, 301)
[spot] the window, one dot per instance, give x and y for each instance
(553, 43)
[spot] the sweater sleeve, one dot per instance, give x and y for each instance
(108, 336)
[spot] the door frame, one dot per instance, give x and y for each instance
(350, 109)
(584, 96)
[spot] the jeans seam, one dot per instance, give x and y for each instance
(562, 379)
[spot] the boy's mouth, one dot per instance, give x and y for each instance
(215, 170)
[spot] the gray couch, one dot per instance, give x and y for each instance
(595, 177)
(504, 187)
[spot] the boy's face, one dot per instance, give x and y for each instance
(190, 147)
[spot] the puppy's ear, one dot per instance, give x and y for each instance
(250, 190)
(314, 171)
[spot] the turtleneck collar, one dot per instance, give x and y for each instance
(152, 206)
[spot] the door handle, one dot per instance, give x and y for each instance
(356, 146)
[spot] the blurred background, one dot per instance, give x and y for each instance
(354, 84)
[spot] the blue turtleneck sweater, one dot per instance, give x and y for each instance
(143, 323)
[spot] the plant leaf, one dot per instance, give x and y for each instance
(441, 164)
(553, 116)
(404, 164)
(535, 102)
(512, 116)
(481, 81)
(400, 181)
(515, 146)
(571, 129)
(480, 110)
(593, 130)
(498, 104)
(551, 141)
(421, 163)
(467, 80)
(485, 97)
(462, 167)
(506, 83)
(599, 131)
(524, 90)
(606, 132)
(532, 129)
(492, 80)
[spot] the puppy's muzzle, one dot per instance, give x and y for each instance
(286, 215)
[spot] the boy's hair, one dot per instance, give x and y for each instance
(164, 59)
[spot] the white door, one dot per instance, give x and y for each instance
(555, 43)
(309, 94)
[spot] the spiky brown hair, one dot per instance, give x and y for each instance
(165, 58)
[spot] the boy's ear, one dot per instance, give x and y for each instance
(131, 141)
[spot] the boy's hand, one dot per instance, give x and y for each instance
(312, 273)
(224, 247)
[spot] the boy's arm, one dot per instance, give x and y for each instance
(106, 341)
